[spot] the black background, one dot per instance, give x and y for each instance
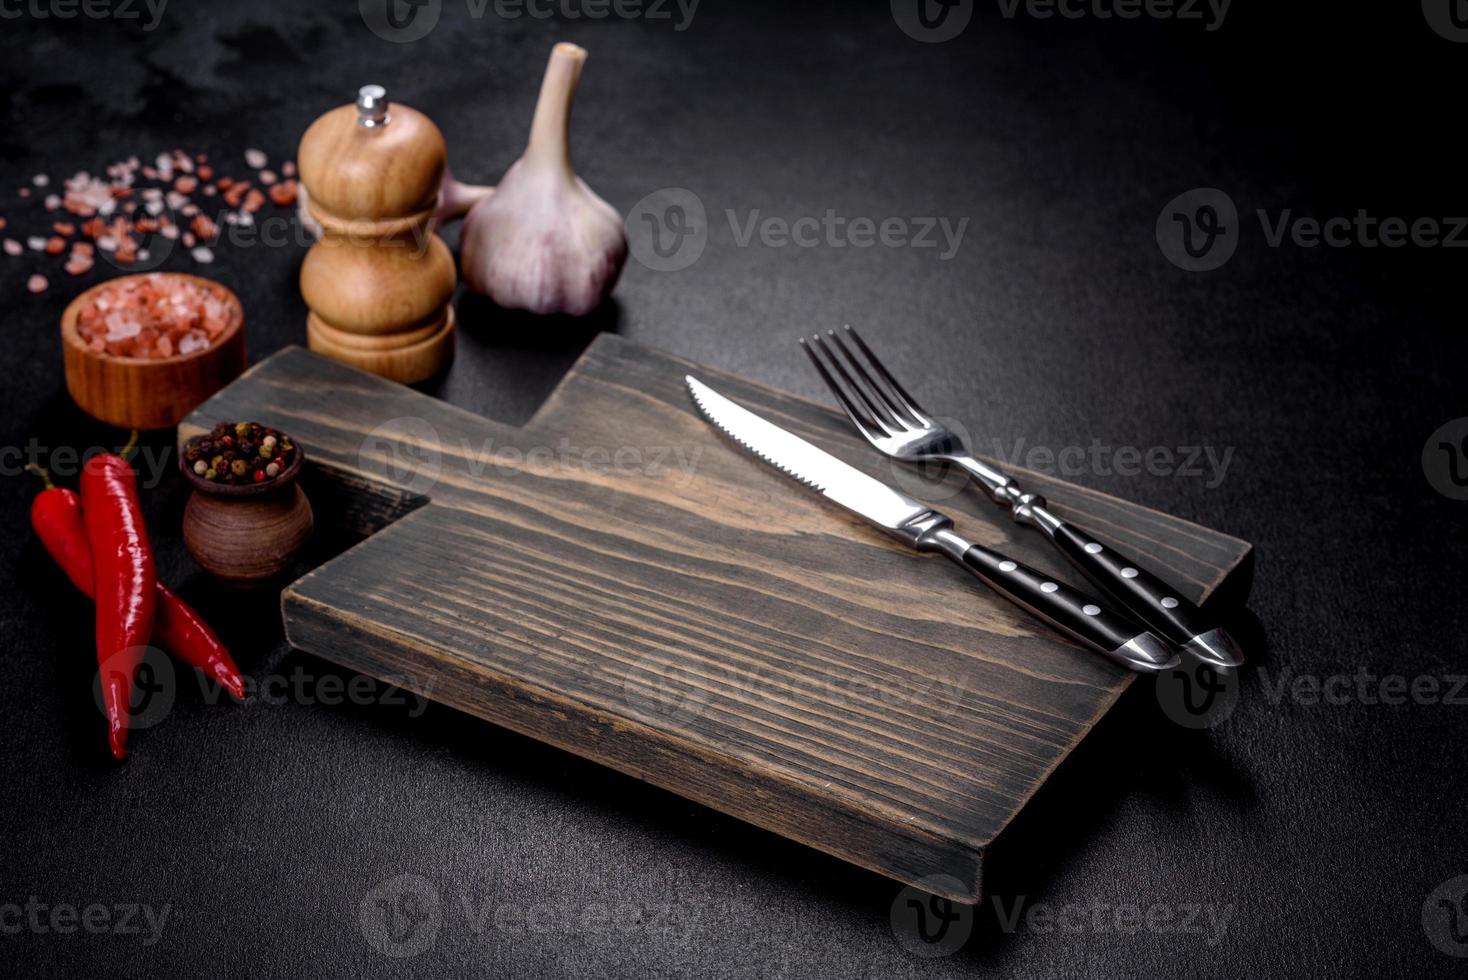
(265, 827)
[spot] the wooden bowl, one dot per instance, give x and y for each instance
(245, 535)
(144, 392)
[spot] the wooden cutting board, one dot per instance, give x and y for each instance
(617, 580)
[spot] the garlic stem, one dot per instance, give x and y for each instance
(550, 129)
(455, 199)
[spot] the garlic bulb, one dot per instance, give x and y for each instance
(543, 241)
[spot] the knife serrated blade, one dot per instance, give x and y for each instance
(919, 526)
(816, 468)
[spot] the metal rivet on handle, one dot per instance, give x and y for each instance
(1007, 566)
(1049, 587)
(1091, 610)
(1093, 548)
(1169, 603)
(1129, 572)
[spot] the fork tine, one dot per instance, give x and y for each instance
(866, 426)
(908, 402)
(889, 425)
(891, 403)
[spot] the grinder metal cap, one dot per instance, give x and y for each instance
(374, 162)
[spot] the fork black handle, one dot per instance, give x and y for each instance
(1151, 599)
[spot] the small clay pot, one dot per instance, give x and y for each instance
(245, 535)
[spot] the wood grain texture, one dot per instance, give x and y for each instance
(617, 580)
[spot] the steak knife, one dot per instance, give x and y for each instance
(1071, 612)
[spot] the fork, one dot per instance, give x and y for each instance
(892, 421)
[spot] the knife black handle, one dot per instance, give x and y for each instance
(1069, 610)
(1146, 595)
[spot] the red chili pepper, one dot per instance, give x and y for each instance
(56, 514)
(124, 583)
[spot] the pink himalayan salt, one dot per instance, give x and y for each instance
(158, 315)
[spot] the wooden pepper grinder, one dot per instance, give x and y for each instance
(379, 281)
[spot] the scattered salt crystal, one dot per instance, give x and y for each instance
(288, 168)
(203, 256)
(107, 243)
(37, 284)
(107, 207)
(176, 200)
(154, 208)
(24, 192)
(169, 231)
(53, 201)
(36, 243)
(142, 255)
(256, 159)
(192, 341)
(246, 219)
(267, 177)
(210, 190)
(188, 239)
(41, 180)
(13, 247)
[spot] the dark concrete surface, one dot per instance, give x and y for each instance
(1301, 834)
